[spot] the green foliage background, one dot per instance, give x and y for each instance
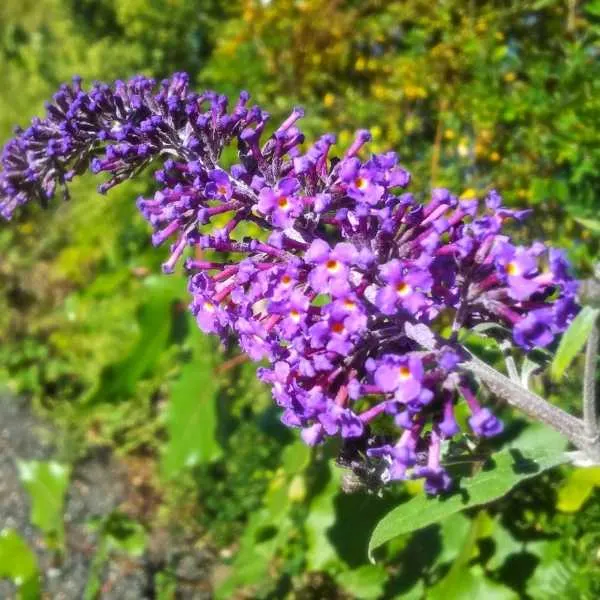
(471, 93)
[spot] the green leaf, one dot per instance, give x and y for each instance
(321, 553)
(19, 563)
(590, 224)
(573, 340)
(259, 544)
(535, 451)
(366, 582)
(46, 483)
(464, 581)
(577, 489)
(453, 532)
(504, 545)
(552, 575)
(116, 532)
(165, 585)
(155, 321)
(192, 411)
(593, 8)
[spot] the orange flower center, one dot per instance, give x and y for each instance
(512, 268)
(349, 304)
(337, 327)
(403, 289)
(361, 183)
(404, 373)
(286, 280)
(332, 265)
(283, 202)
(222, 190)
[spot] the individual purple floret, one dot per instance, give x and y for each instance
(342, 268)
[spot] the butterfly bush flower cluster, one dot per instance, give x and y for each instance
(344, 271)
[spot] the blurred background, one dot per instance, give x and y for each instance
(140, 460)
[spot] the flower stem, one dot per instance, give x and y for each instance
(590, 416)
(533, 405)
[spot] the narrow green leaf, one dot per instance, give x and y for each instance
(46, 483)
(590, 224)
(537, 450)
(19, 563)
(192, 411)
(573, 340)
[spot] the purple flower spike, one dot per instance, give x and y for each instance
(349, 287)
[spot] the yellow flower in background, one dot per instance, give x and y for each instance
(463, 147)
(468, 194)
(328, 99)
(412, 92)
(376, 131)
(379, 91)
(345, 137)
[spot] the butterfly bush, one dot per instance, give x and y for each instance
(345, 274)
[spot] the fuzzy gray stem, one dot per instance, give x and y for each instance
(531, 404)
(590, 414)
(520, 397)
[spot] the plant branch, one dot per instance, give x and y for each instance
(519, 396)
(532, 404)
(590, 415)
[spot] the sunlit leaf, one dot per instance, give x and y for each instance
(573, 340)
(19, 563)
(577, 489)
(531, 454)
(46, 483)
(590, 224)
(192, 411)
